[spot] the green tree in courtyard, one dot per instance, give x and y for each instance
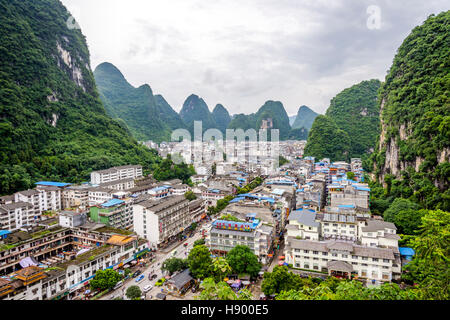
(243, 261)
(199, 262)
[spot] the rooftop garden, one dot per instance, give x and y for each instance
(87, 256)
(107, 229)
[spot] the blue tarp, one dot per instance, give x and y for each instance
(53, 184)
(405, 251)
(112, 202)
(237, 199)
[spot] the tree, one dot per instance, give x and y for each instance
(221, 291)
(350, 175)
(220, 268)
(199, 242)
(405, 214)
(199, 262)
(134, 293)
(174, 264)
(430, 265)
(280, 279)
(348, 290)
(190, 195)
(243, 260)
(105, 279)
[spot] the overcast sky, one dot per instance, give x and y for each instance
(241, 53)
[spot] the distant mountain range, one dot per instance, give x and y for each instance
(150, 117)
(305, 118)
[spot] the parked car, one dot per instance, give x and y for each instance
(152, 276)
(138, 272)
(140, 278)
(186, 244)
(148, 288)
(118, 285)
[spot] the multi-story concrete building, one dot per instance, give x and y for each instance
(116, 173)
(16, 215)
(344, 259)
(99, 195)
(71, 276)
(225, 235)
(114, 213)
(160, 221)
(344, 193)
(120, 185)
(76, 196)
(45, 198)
(72, 219)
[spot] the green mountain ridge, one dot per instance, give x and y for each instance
(304, 118)
(147, 116)
(270, 110)
(413, 149)
(195, 109)
(354, 111)
(222, 117)
(53, 124)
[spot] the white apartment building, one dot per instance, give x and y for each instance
(116, 173)
(348, 195)
(98, 195)
(376, 233)
(159, 221)
(72, 219)
(303, 224)
(225, 235)
(344, 259)
(119, 185)
(76, 196)
(43, 199)
(16, 215)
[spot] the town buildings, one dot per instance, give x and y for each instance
(116, 173)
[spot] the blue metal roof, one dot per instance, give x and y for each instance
(112, 203)
(160, 188)
(346, 206)
(4, 232)
(53, 184)
(405, 251)
(237, 199)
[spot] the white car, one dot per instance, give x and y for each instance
(148, 288)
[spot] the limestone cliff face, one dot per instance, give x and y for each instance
(415, 107)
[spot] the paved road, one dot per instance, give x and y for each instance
(155, 267)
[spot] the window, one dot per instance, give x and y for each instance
(315, 252)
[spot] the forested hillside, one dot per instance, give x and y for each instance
(413, 151)
(53, 125)
(148, 117)
(305, 118)
(326, 140)
(195, 109)
(355, 110)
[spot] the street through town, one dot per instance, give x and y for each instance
(182, 252)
